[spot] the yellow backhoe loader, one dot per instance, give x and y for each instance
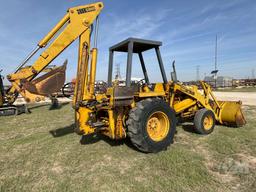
(145, 112)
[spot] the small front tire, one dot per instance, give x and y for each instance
(204, 121)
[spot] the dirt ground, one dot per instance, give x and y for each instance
(247, 98)
(21, 101)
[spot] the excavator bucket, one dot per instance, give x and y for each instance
(48, 83)
(231, 113)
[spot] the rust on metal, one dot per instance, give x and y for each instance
(48, 83)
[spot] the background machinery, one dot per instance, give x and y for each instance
(145, 112)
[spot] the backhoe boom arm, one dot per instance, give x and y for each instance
(75, 24)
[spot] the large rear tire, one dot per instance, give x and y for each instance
(151, 125)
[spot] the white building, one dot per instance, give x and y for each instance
(221, 81)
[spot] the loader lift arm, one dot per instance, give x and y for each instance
(75, 24)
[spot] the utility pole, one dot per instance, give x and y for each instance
(215, 71)
(215, 68)
(253, 73)
(117, 72)
(197, 73)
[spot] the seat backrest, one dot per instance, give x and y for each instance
(124, 95)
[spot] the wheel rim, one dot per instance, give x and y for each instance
(208, 122)
(158, 126)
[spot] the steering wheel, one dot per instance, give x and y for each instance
(141, 82)
(68, 89)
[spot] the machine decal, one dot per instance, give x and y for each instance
(85, 10)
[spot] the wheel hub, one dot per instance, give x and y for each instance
(208, 122)
(158, 126)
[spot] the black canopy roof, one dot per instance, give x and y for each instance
(139, 45)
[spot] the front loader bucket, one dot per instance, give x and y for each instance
(231, 113)
(48, 83)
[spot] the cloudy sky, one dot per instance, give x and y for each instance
(186, 28)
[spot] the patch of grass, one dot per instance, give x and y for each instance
(40, 152)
